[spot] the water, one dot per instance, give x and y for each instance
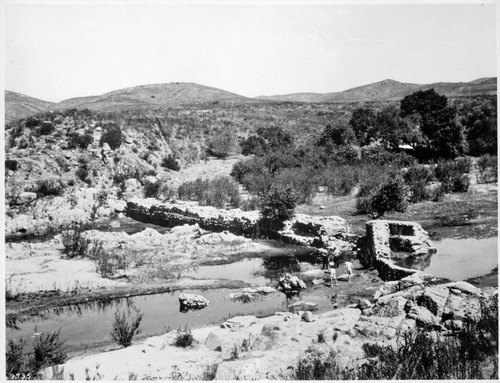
(457, 259)
(89, 325)
(260, 271)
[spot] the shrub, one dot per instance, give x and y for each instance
(152, 189)
(50, 187)
(340, 180)
(277, 206)
(417, 177)
(488, 169)
(451, 175)
(391, 197)
(81, 141)
(219, 192)
(321, 336)
(112, 135)
(46, 350)
(46, 128)
(123, 332)
(75, 245)
(11, 165)
(82, 172)
(169, 162)
(184, 338)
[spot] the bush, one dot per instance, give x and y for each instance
(417, 178)
(340, 180)
(81, 141)
(47, 350)
(75, 245)
(488, 169)
(50, 187)
(391, 197)
(112, 135)
(123, 332)
(46, 128)
(184, 338)
(152, 189)
(277, 206)
(451, 175)
(219, 192)
(171, 163)
(11, 165)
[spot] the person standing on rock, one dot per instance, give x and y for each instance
(333, 273)
(325, 257)
(348, 269)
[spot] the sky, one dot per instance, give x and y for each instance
(54, 51)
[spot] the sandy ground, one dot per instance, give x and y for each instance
(31, 268)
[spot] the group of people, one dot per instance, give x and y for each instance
(331, 264)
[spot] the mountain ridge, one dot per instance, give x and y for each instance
(18, 105)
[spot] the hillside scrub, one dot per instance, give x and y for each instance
(220, 192)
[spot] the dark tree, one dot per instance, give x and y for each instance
(337, 134)
(480, 123)
(443, 134)
(364, 125)
(392, 129)
(253, 145)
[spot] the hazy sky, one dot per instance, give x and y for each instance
(58, 51)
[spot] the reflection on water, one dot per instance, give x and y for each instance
(91, 324)
(457, 259)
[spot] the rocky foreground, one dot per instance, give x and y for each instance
(249, 348)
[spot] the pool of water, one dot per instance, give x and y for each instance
(458, 259)
(260, 271)
(89, 325)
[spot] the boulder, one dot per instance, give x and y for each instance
(192, 301)
(308, 317)
(423, 316)
(290, 282)
(26, 198)
(132, 184)
(434, 298)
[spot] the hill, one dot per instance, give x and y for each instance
(152, 96)
(18, 105)
(391, 90)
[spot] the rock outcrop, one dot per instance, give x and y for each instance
(192, 302)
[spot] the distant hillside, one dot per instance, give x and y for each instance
(389, 90)
(147, 96)
(18, 106)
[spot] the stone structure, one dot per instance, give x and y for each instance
(301, 230)
(384, 237)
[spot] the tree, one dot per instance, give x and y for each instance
(441, 130)
(222, 144)
(336, 134)
(363, 123)
(275, 138)
(253, 145)
(392, 129)
(480, 124)
(277, 206)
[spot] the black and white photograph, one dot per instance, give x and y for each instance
(249, 190)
